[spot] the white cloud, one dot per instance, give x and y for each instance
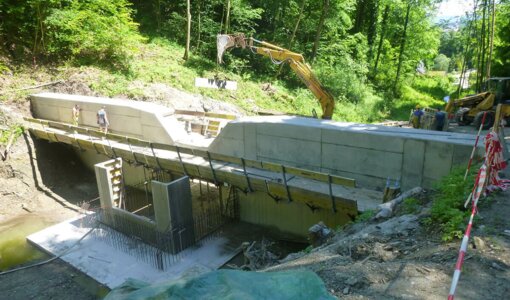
(454, 8)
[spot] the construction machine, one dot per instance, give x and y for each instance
(280, 55)
(471, 109)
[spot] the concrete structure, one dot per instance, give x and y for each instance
(368, 153)
(172, 207)
(173, 210)
(149, 121)
(111, 267)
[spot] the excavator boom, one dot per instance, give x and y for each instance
(280, 55)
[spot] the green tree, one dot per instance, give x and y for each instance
(93, 31)
(441, 63)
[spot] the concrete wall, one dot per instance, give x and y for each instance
(368, 153)
(291, 217)
(143, 120)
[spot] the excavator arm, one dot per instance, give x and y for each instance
(280, 55)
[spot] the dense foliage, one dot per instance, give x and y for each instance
(364, 51)
(448, 215)
(86, 30)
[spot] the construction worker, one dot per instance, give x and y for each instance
(440, 118)
(102, 120)
(76, 114)
(416, 117)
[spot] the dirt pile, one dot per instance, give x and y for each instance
(398, 258)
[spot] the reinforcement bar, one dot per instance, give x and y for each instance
(313, 188)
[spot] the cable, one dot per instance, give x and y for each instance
(51, 259)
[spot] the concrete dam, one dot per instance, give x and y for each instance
(293, 171)
(182, 192)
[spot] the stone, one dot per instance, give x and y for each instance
(345, 291)
(478, 243)
(351, 281)
(380, 252)
(497, 266)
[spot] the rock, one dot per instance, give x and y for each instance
(345, 291)
(497, 267)
(352, 281)
(478, 243)
(379, 251)
(318, 234)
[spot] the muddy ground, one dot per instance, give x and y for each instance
(43, 184)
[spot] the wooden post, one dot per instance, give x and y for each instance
(497, 119)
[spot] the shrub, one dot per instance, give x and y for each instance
(447, 213)
(411, 205)
(93, 31)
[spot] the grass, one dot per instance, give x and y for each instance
(426, 90)
(411, 206)
(160, 61)
(448, 216)
(5, 135)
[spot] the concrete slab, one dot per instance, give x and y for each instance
(111, 267)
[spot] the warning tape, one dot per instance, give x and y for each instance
(479, 184)
(493, 163)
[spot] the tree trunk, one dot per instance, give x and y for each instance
(402, 47)
(188, 32)
(372, 27)
(466, 53)
(360, 16)
(291, 41)
(325, 7)
(158, 15)
(300, 16)
(483, 46)
(381, 38)
(199, 26)
(227, 18)
(489, 62)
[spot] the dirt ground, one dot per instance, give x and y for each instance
(37, 191)
(399, 259)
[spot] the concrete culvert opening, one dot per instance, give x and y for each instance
(63, 173)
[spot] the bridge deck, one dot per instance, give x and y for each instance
(318, 190)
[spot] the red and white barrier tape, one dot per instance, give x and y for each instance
(494, 162)
(479, 185)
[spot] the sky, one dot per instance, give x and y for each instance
(454, 8)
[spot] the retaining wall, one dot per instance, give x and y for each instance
(368, 153)
(142, 120)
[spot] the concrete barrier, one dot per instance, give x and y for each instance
(143, 120)
(368, 153)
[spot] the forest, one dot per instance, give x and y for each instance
(378, 58)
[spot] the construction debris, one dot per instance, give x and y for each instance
(318, 234)
(257, 255)
(385, 210)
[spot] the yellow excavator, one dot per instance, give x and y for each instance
(470, 109)
(280, 55)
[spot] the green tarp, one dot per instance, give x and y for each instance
(228, 284)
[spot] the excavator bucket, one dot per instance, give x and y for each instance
(226, 41)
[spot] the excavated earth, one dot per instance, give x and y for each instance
(42, 184)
